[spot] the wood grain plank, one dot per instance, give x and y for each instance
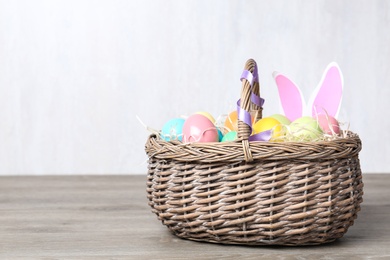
(107, 217)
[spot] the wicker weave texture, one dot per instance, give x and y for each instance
(279, 202)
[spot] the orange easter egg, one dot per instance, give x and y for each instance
(231, 122)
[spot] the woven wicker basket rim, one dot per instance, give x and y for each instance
(234, 151)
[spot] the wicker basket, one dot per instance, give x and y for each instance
(255, 193)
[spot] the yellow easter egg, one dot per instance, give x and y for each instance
(268, 123)
(206, 114)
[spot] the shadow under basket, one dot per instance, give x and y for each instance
(256, 192)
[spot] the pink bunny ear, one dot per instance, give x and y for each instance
(291, 97)
(326, 99)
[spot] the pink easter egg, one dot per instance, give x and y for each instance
(198, 128)
(329, 124)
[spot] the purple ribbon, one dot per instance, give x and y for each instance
(257, 100)
(262, 136)
(246, 74)
(244, 115)
(256, 76)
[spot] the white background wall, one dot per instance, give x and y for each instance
(74, 74)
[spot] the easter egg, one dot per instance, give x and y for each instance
(220, 134)
(208, 115)
(231, 122)
(305, 128)
(173, 130)
(198, 128)
(268, 123)
(281, 118)
(230, 136)
(328, 124)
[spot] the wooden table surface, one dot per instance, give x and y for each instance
(107, 217)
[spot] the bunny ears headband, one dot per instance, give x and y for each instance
(326, 98)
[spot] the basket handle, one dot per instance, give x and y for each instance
(249, 106)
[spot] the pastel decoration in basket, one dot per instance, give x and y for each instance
(268, 124)
(300, 122)
(173, 130)
(329, 124)
(208, 115)
(220, 134)
(231, 122)
(305, 128)
(326, 98)
(230, 136)
(199, 128)
(281, 118)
